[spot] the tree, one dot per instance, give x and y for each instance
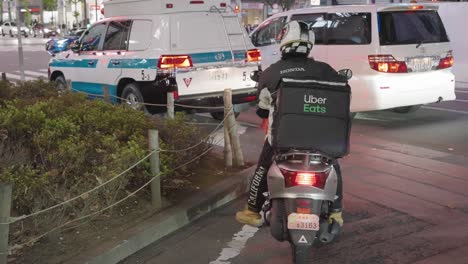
(50, 5)
(284, 4)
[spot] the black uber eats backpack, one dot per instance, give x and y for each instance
(312, 115)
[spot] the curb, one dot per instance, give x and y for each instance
(171, 220)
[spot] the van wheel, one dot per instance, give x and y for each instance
(406, 109)
(132, 97)
(220, 115)
(60, 83)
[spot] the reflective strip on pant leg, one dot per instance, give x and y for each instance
(254, 187)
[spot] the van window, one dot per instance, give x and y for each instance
(411, 27)
(316, 21)
(91, 39)
(140, 36)
(349, 29)
(117, 35)
(269, 33)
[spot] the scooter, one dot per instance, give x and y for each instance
(302, 186)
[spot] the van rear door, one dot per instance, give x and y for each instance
(414, 35)
(216, 44)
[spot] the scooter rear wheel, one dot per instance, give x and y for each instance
(301, 254)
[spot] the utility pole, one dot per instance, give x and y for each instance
(9, 10)
(20, 44)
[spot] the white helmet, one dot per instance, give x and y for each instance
(297, 38)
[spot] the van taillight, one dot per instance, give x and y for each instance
(253, 55)
(446, 62)
(387, 63)
(174, 61)
(297, 178)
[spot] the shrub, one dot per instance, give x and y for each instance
(55, 146)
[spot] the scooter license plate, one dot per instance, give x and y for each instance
(303, 221)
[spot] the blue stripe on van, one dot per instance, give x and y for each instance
(197, 58)
(133, 63)
(210, 57)
(74, 63)
(94, 89)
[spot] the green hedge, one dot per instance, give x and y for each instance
(54, 146)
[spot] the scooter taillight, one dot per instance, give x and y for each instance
(297, 178)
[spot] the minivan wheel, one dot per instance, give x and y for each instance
(60, 83)
(132, 97)
(406, 109)
(220, 115)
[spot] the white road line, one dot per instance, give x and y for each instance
(236, 245)
(461, 100)
(218, 137)
(33, 73)
(459, 91)
(18, 77)
(44, 70)
(446, 110)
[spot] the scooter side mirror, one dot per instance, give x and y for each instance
(255, 76)
(346, 73)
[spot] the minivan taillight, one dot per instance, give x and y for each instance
(297, 178)
(446, 62)
(253, 55)
(174, 61)
(387, 64)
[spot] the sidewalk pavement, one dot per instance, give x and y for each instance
(430, 186)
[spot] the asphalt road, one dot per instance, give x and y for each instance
(405, 185)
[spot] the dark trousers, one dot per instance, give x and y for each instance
(258, 185)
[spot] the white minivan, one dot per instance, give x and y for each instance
(400, 54)
(146, 48)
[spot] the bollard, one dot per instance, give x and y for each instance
(5, 207)
(156, 198)
(4, 76)
(232, 128)
(105, 91)
(170, 105)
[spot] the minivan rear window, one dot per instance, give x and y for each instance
(349, 29)
(411, 27)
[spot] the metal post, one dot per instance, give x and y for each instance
(69, 85)
(170, 105)
(20, 44)
(5, 207)
(105, 92)
(95, 9)
(156, 198)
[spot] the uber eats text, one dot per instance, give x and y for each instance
(314, 104)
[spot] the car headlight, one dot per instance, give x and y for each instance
(46, 30)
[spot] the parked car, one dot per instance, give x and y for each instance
(400, 54)
(11, 29)
(45, 31)
(57, 45)
(146, 48)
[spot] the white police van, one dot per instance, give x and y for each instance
(400, 54)
(146, 48)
